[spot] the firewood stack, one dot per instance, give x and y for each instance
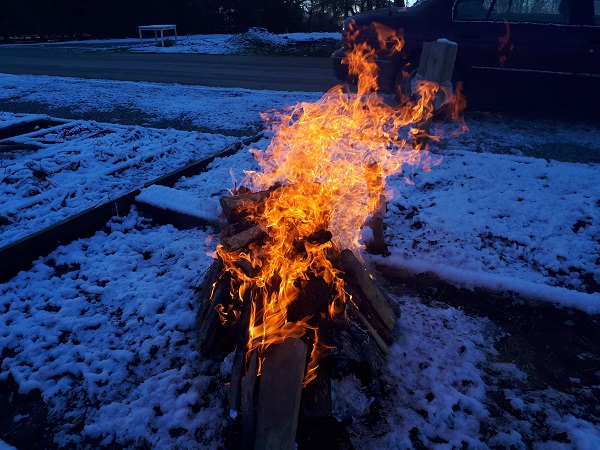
(358, 339)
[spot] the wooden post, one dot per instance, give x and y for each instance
(437, 61)
(436, 65)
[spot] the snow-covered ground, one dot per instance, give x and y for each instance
(104, 326)
(211, 44)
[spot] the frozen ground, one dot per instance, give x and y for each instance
(98, 337)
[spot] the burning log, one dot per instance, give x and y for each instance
(360, 335)
(243, 239)
(237, 207)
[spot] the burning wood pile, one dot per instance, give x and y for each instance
(336, 308)
(287, 290)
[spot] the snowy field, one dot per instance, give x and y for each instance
(103, 331)
(209, 44)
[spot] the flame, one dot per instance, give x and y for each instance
(330, 160)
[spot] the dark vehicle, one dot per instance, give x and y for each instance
(511, 48)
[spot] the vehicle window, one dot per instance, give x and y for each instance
(597, 12)
(543, 11)
(472, 9)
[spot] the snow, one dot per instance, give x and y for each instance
(83, 164)
(176, 200)
(209, 44)
(104, 327)
(222, 110)
(5, 446)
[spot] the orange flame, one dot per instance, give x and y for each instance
(330, 159)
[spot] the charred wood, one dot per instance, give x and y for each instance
(316, 238)
(355, 352)
(313, 300)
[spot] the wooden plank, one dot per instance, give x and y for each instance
(451, 49)
(354, 312)
(248, 405)
(29, 124)
(179, 220)
(361, 280)
(374, 177)
(280, 395)
(437, 65)
(19, 255)
(370, 314)
(206, 288)
(239, 359)
(10, 146)
(424, 59)
(211, 329)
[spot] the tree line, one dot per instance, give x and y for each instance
(67, 19)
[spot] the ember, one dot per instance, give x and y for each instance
(286, 266)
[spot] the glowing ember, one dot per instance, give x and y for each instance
(330, 160)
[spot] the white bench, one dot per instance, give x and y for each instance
(156, 29)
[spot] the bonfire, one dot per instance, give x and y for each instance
(288, 266)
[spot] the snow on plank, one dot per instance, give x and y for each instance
(167, 205)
